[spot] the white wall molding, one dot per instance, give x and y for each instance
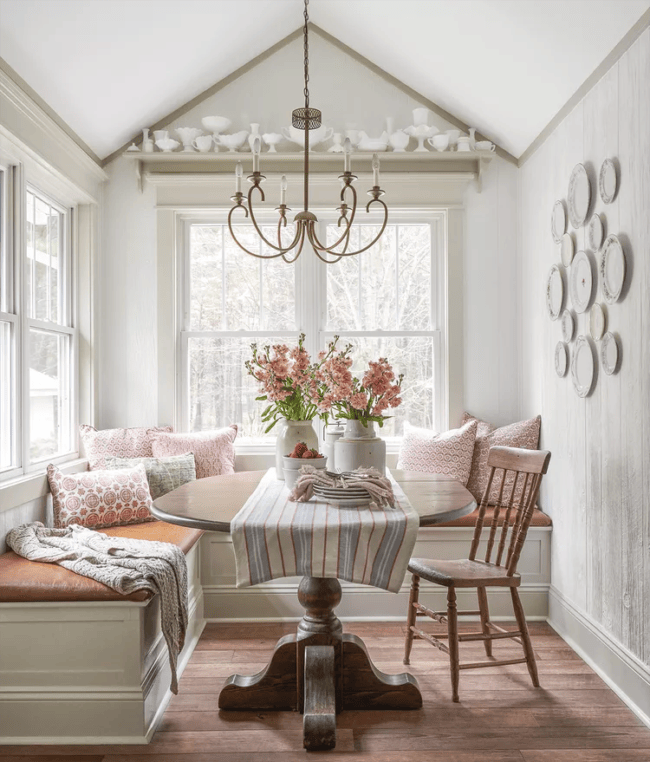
(626, 675)
(41, 135)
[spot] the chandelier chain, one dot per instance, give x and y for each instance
(306, 48)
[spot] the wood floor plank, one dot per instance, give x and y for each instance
(586, 755)
(334, 756)
(548, 737)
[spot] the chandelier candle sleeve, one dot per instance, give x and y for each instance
(239, 173)
(257, 146)
(347, 148)
(283, 189)
(375, 170)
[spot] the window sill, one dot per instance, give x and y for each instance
(33, 486)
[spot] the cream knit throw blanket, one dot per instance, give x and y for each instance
(123, 564)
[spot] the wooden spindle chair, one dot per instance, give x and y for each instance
(521, 472)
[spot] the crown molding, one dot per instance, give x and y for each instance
(606, 64)
(22, 101)
(33, 99)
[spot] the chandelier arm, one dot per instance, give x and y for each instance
(299, 249)
(348, 222)
(345, 253)
(241, 246)
(311, 235)
(280, 249)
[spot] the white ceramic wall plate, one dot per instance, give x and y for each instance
(561, 359)
(554, 292)
(579, 198)
(582, 367)
(567, 249)
(581, 282)
(558, 221)
(607, 181)
(612, 269)
(595, 232)
(568, 325)
(609, 354)
(597, 322)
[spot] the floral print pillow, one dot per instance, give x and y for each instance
(100, 499)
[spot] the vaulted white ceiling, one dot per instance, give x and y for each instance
(109, 67)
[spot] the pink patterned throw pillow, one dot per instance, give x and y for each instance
(117, 443)
(521, 434)
(449, 453)
(214, 451)
(100, 499)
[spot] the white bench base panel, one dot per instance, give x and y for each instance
(88, 673)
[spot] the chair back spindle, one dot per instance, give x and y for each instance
(521, 473)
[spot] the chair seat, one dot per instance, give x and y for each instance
(462, 573)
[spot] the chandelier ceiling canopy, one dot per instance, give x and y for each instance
(306, 119)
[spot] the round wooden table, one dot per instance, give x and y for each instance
(319, 671)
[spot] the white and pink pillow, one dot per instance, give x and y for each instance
(523, 434)
(100, 499)
(117, 443)
(449, 453)
(214, 451)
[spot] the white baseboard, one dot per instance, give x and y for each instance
(623, 672)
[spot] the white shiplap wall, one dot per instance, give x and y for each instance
(598, 486)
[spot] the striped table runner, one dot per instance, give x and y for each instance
(274, 537)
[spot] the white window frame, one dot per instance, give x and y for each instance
(15, 260)
(311, 284)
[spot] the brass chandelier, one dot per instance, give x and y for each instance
(306, 119)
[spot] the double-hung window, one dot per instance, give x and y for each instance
(38, 339)
(387, 302)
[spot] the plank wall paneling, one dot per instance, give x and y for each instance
(598, 486)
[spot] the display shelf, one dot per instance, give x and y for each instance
(178, 162)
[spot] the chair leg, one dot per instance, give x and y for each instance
(452, 625)
(485, 617)
(525, 637)
(410, 618)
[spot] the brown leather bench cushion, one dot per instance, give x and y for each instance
(539, 519)
(23, 581)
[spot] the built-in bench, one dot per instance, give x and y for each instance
(80, 663)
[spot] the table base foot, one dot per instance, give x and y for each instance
(319, 720)
(274, 688)
(366, 687)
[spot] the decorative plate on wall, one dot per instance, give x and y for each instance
(607, 181)
(582, 367)
(609, 353)
(612, 269)
(579, 197)
(595, 232)
(554, 292)
(568, 325)
(566, 249)
(581, 282)
(558, 221)
(561, 359)
(597, 322)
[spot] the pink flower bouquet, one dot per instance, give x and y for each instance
(345, 396)
(286, 381)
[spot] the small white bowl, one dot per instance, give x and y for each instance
(292, 466)
(216, 123)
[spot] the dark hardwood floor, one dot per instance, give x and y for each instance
(573, 717)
